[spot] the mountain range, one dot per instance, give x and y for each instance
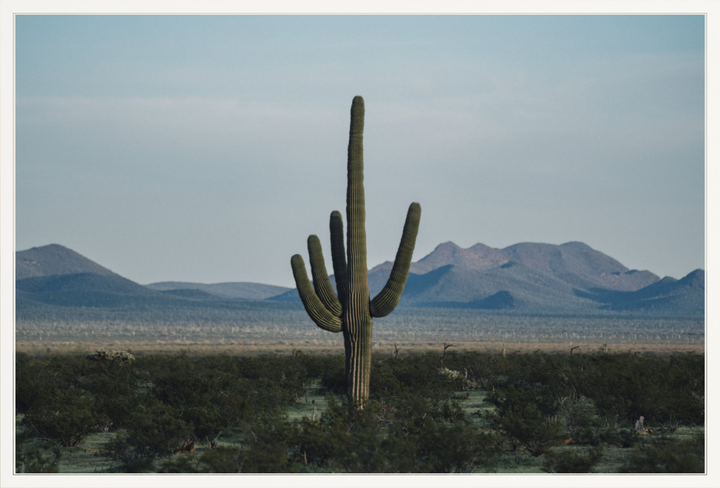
(525, 277)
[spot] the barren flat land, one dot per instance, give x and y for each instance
(262, 328)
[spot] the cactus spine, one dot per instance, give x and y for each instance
(351, 311)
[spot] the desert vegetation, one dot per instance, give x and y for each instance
(597, 411)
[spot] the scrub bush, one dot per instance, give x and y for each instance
(687, 456)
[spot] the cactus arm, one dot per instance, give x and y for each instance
(337, 248)
(313, 306)
(321, 281)
(386, 301)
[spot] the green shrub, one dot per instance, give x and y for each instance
(572, 461)
(33, 380)
(404, 433)
(332, 376)
(152, 431)
(65, 416)
(36, 457)
(268, 447)
(687, 456)
(519, 417)
(455, 447)
(223, 460)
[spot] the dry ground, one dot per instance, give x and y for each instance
(336, 347)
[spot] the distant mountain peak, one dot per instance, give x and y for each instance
(477, 257)
(577, 245)
(51, 247)
(694, 279)
(447, 245)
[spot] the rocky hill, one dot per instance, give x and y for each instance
(54, 260)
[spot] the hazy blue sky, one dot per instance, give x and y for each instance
(207, 148)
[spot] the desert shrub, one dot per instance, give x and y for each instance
(36, 457)
(152, 431)
(114, 388)
(369, 452)
(583, 424)
(103, 357)
(221, 460)
(266, 456)
(316, 365)
(288, 373)
(353, 440)
(412, 375)
(624, 385)
(268, 447)
(332, 376)
(684, 389)
(182, 463)
(572, 461)
(418, 375)
(130, 460)
(33, 380)
(206, 423)
(483, 369)
(521, 416)
(318, 443)
(686, 456)
(455, 447)
(65, 416)
(214, 394)
(403, 433)
(629, 385)
(184, 382)
(195, 397)
(38, 377)
(47, 382)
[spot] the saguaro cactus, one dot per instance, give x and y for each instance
(351, 311)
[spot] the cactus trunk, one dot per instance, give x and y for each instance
(358, 358)
(357, 322)
(352, 311)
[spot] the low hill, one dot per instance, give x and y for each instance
(86, 290)
(686, 296)
(190, 294)
(57, 276)
(235, 290)
(522, 287)
(54, 260)
(579, 265)
(89, 290)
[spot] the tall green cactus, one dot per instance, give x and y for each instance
(351, 311)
